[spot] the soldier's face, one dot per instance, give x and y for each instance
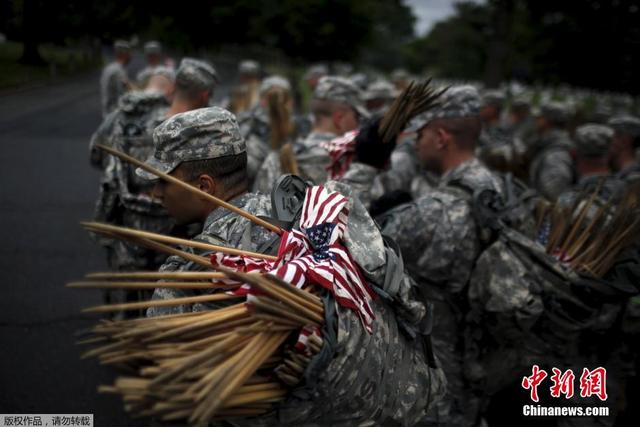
(181, 204)
(345, 120)
(429, 147)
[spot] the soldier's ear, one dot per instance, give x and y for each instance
(443, 140)
(207, 184)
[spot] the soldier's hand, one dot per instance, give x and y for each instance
(370, 149)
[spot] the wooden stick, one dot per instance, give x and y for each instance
(175, 241)
(147, 285)
(158, 303)
(191, 188)
(157, 275)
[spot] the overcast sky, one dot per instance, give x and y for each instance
(428, 12)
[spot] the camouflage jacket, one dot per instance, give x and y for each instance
(630, 173)
(551, 170)
(113, 84)
(312, 159)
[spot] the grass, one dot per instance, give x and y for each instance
(60, 62)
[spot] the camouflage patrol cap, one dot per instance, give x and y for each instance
(521, 102)
(122, 46)
(380, 89)
(162, 70)
(274, 81)
(317, 70)
(593, 140)
(152, 47)
(249, 67)
(456, 102)
(206, 133)
(493, 98)
(626, 125)
(555, 111)
(340, 89)
(399, 74)
(197, 74)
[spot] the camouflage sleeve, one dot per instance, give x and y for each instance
(268, 173)
(556, 174)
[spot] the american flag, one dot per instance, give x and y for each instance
(315, 255)
(341, 151)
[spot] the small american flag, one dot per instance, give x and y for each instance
(341, 151)
(315, 255)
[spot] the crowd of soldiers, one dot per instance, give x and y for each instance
(420, 191)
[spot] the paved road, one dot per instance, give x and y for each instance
(46, 187)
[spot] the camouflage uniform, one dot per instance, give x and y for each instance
(256, 129)
(438, 238)
(312, 158)
(551, 170)
(593, 141)
(150, 48)
(628, 125)
(113, 82)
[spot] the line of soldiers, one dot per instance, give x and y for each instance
(421, 190)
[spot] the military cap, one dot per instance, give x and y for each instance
(399, 74)
(494, 98)
(197, 74)
(380, 89)
(520, 102)
(317, 70)
(593, 140)
(162, 70)
(122, 46)
(456, 102)
(626, 125)
(554, 111)
(249, 66)
(206, 133)
(152, 47)
(340, 89)
(274, 81)
(360, 79)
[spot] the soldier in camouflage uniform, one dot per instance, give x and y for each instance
(626, 142)
(437, 233)
(114, 81)
(337, 108)
(153, 54)
(205, 148)
(593, 142)
(551, 168)
(255, 124)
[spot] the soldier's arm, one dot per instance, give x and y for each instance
(267, 174)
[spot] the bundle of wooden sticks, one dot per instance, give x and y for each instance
(587, 236)
(236, 360)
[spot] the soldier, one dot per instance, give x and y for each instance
(378, 95)
(270, 124)
(592, 164)
(114, 81)
(551, 168)
(204, 148)
(195, 82)
(337, 108)
(153, 54)
(314, 74)
(400, 78)
(437, 234)
(626, 142)
(245, 95)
